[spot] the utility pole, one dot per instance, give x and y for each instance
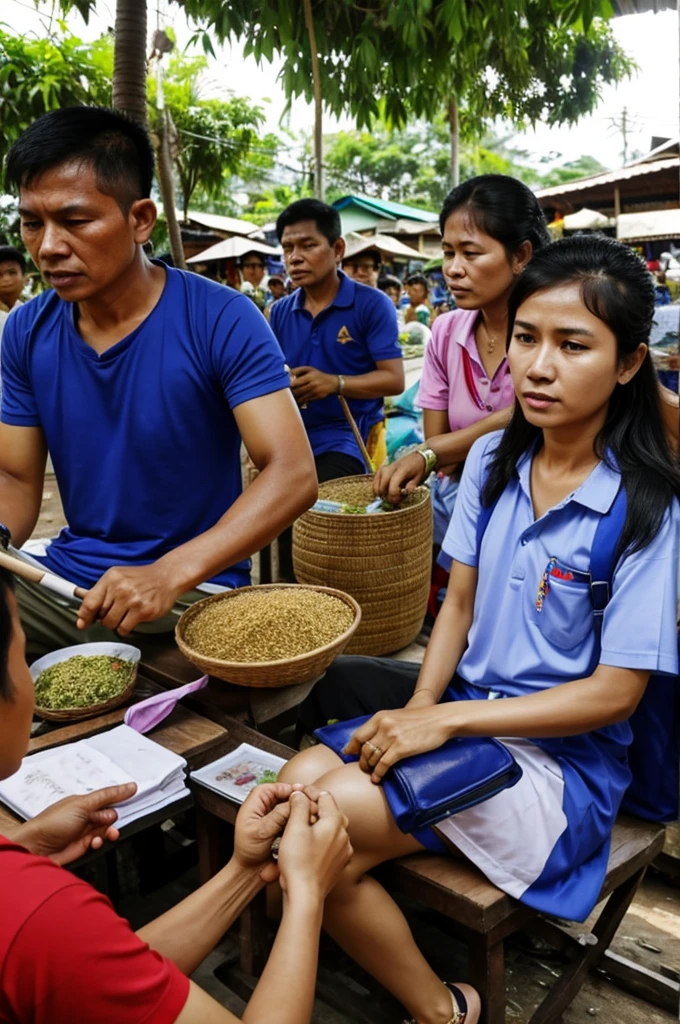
(622, 124)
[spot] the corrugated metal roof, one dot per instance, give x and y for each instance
(609, 177)
(642, 6)
(232, 225)
(392, 211)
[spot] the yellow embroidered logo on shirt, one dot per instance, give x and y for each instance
(344, 336)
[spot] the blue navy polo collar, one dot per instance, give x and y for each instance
(344, 298)
(597, 492)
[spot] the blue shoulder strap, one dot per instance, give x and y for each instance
(484, 516)
(603, 557)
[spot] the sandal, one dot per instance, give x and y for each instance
(466, 1008)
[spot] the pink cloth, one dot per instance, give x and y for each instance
(454, 377)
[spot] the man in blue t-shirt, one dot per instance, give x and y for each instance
(141, 382)
(339, 338)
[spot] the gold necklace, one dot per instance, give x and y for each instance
(490, 341)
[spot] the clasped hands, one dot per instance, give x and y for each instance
(314, 844)
(390, 736)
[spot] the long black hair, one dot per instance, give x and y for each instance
(501, 207)
(616, 288)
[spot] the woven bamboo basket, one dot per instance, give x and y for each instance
(303, 668)
(123, 651)
(384, 561)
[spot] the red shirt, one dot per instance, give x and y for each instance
(67, 958)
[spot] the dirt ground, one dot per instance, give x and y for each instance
(648, 935)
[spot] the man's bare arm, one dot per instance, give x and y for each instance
(23, 455)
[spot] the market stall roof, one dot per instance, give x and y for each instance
(387, 246)
(648, 225)
(385, 209)
(587, 220)
(642, 6)
(215, 221)
(609, 177)
(233, 248)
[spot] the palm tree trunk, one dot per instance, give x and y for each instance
(129, 59)
(454, 129)
(167, 190)
(319, 190)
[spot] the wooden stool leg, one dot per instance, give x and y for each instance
(254, 935)
(211, 843)
(486, 972)
(564, 991)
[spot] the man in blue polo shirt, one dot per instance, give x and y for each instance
(339, 337)
(141, 381)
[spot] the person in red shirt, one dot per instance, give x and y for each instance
(65, 955)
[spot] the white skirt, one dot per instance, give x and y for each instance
(510, 836)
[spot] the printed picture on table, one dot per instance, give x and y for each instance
(235, 774)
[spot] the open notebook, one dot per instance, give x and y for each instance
(108, 759)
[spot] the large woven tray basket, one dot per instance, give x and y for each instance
(384, 561)
(301, 669)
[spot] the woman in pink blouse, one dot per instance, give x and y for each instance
(490, 227)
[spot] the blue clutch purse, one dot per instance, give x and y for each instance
(426, 788)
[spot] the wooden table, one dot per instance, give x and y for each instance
(163, 662)
(199, 740)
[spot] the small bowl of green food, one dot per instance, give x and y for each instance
(85, 680)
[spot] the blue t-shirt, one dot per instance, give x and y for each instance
(350, 336)
(143, 438)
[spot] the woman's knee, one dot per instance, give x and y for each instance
(308, 766)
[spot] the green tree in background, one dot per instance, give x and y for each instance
(37, 75)
(215, 138)
(410, 165)
(583, 167)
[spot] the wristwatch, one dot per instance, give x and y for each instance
(341, 384)
(5, 536)
(430, 459)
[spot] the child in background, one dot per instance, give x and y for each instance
(419, 308)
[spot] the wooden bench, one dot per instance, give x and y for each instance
(483, 915)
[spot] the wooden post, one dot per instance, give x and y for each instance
(617, 203)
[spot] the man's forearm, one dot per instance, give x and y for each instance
(294, 956)
(188, 932)
(376, 384)
(280, 494)
(453, 448)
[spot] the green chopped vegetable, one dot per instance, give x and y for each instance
(268, 775)
(82, 681)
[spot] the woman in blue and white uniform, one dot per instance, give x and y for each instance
(514, 652)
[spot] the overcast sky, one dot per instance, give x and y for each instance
(650, 97)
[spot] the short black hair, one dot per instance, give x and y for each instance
(326, 217)
(389, 281)
(503, 208)
(8, 254)
(277, 279)
(418, 279)
(6, 632)
(116, 148)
